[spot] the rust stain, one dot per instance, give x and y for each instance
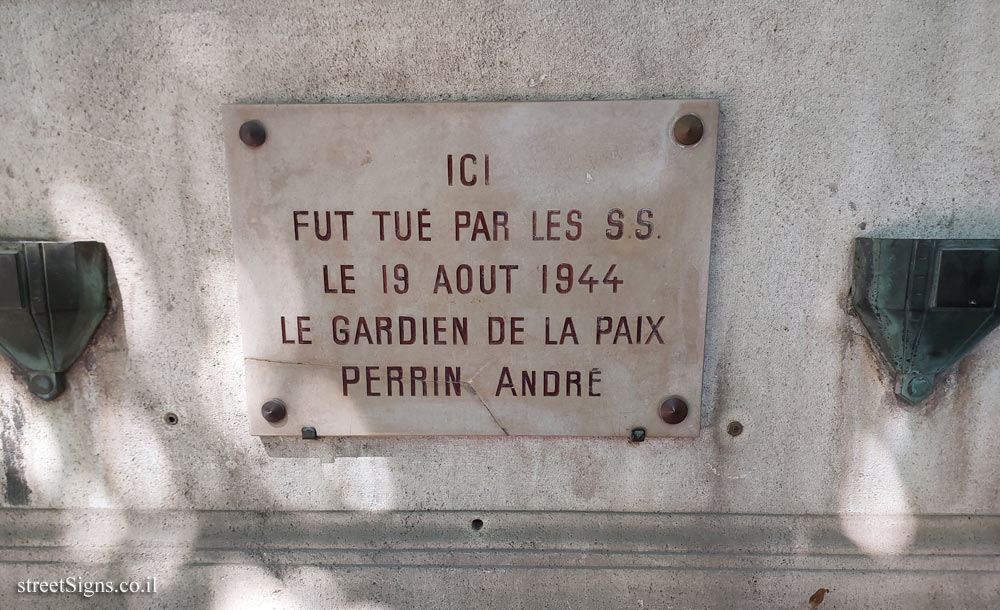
(367, 159)
(817, 598)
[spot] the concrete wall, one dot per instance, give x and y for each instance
(839, 119)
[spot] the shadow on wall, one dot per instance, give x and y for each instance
(119, 437)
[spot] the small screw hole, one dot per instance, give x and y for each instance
(477, 524)
(171, 419)
(734, 428)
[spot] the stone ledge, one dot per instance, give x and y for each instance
(507, 540)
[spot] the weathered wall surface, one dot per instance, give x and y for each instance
(838, 120)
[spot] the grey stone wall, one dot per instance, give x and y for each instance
(839, 119)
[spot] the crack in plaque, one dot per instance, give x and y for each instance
(482, 400)
(325, 366)
(466, 384)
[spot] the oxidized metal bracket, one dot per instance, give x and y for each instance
(53, 295)
(925, 303)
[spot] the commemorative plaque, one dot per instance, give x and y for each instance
(533, 268)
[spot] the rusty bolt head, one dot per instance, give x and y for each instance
(688, 130)
(673, 410)
(253, 134)
(734, 428)
(274, 410)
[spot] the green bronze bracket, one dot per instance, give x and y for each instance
(925, 303)
(53, 295)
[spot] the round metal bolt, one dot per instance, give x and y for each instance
(673, 410)
(921, 385)
(41, 384)
(253, 134)
(688, 130)
(274, 410)
(734, 428)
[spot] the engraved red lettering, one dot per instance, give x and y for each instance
(573, 379)
(303, 330)
(371, 377)
(461, 170)
(505, 382)
(603, 327)
(616, 228)
(595, 378)
(393, 374)
(341, 336)
(573, 221)
(297, 224)
(349, 375)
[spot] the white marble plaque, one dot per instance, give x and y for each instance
(524, 268)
